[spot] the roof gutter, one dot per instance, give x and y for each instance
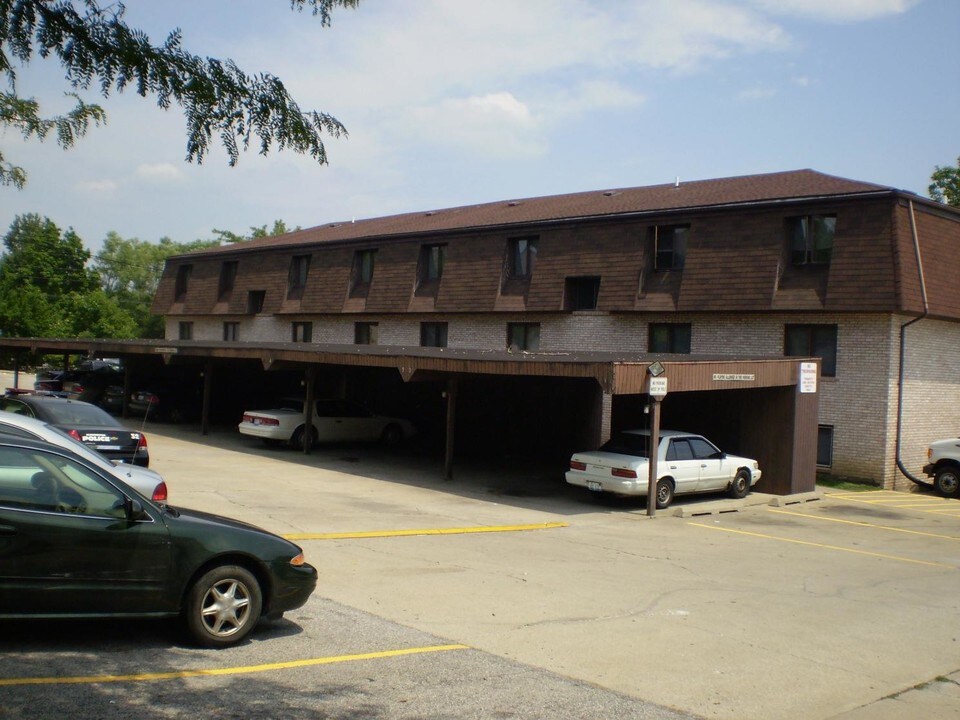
(903, 337)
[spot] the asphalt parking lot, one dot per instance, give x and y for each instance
(504, 593)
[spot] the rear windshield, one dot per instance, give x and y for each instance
(627, 444)
(77, 414)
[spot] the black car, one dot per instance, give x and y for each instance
(76, 542)
(84, 422)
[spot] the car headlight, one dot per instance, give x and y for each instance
(756, 465)
(298, 560)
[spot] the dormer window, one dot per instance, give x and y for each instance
(362, 276)
(183, 280)
(228, 276)
(811, 239)
(521, 254)
(430, 268)
(297, 276)
(669, 246)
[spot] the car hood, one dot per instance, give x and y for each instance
(199, 525)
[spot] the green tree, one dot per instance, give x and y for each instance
(279, 228)
(945, 187)
(38, 255)
(129, 270)
(97, 48)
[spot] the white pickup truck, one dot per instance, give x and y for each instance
(943, 465)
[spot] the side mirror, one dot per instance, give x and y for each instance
(134, 509)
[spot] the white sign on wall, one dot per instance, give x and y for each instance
(658, 387)
(808, 377)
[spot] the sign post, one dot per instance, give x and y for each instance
(658, 391)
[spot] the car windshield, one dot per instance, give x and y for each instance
(627, 444)
(69, 413)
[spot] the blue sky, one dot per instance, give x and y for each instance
(454, 102)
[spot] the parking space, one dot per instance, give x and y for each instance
(812, 610)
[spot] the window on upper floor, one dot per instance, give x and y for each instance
(228, 276)
(297, 276)
(186, 331)
(669, 338)
(581, 293)
(302, 332)
(430, 268)
(813, 341)
(255, 300)
(523, 336)
(433, 334)
(669, 244)
(231, 331)
(366, 333)
(362, 274)
(183, 280)
(825, 445)
(811, 239)
(521, 256)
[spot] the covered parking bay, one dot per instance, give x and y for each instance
(474, 402)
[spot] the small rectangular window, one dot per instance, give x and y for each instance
(430, 269)
(669, 338)
(302, 332)
(825, 445)
(228, 276)
(297, 276)
(362, 274)
(231, 331)
(186, 331)
(365, 333)
(255, 300)
(813, 341)
(183, 280)
(669, 246)
(433, 334)
(522, 254)
(523, 336)
(581, 293)
(811, 239)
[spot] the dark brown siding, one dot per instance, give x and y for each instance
(394, 275)
(862, 276)
(471, 273)
(329, 281)
(940, 254)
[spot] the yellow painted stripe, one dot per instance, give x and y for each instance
(866, 524)
(426, 531)
(209, 672)
(825, 547)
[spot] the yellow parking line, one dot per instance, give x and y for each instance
(180, 674)
(825, 547)
(866, 524)
(427, 531)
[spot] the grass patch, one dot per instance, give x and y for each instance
(845, 483)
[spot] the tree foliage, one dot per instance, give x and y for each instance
(945, 187)
(279, 228)
(97, 48)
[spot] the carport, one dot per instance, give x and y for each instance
(764, 408)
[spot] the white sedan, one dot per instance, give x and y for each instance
(333, 421)
(686, 463)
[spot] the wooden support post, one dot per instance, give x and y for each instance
(654, 453)
(451, 426)
(207, 389)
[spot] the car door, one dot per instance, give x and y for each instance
(682, 466)
(710, 462)
(67, 546)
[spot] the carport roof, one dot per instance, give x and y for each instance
(617, 373)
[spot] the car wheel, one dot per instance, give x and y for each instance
(392, 435)
(740, 486)
(947, 481)
(664, 494)
(223, 606)
(297, 440)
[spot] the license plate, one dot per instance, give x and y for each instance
(595, 486)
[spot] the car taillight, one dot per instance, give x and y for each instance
(160, 492)
(75, 435)
(77, 388)
(624, 473)
(257, 420)
(142, 442)
(577, 465)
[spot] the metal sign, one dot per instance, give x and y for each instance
(808, 377)
(658, 387)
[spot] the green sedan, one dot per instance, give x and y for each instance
(75, 542)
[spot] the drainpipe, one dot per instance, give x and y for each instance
(903, 337)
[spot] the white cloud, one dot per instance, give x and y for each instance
(97, 187)
(836, 10)
(160, 172)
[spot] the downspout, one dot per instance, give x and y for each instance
(903, 336)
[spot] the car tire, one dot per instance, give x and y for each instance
(296, 441)
(392, 435)
(223, 606)
(740, 485)
(664, 493)
(947, 482)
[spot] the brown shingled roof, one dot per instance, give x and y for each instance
(791, 185)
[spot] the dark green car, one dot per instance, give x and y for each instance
(75, 542)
